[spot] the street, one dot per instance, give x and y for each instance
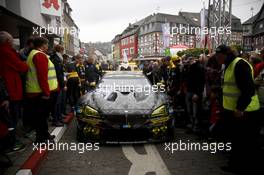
(147, 159)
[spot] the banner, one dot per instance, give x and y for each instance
(166, 35)
(203, 25)
(51, 7)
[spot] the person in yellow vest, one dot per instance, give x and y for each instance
(41, 81)
(241, 111)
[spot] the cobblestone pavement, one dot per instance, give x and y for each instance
(139, 159)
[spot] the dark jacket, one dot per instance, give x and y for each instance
(245, 83)
(195, 79)
(92, 74)
(58, 63)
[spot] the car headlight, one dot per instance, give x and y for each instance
(87, 111)
(160, 112)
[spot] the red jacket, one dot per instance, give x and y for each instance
(41, 63)
(10, 68)
(258, 68)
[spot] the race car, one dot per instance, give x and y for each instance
(124, 108)
(128, 67)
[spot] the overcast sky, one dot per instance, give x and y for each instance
(101, 20)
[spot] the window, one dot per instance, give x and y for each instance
(131, 39)
(187, 39)
(131, 51)
(124, 51)
(180, 39)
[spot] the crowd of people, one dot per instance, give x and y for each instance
(223, 98)
(35, 86)
(218, 96)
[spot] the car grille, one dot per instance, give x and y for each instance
(126, 135)
(133, 120)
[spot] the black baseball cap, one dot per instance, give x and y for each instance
(222, 49)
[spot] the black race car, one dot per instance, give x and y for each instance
(124, 108)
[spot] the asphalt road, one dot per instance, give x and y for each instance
(147, 159)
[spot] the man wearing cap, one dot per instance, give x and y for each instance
(241, 110)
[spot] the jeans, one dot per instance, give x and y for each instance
(40, 110)
(73, 91)
(243, 134)
(56, 106)
(193, 110)
(15, 112)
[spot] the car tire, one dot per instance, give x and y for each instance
(79, 135)
(171, 130)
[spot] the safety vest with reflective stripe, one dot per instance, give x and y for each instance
(32, 84)
(231, 92)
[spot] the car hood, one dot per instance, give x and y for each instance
(116, 102)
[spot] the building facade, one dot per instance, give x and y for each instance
(70, 37)
(35, 17)
(253, 32)
(150, 42)
(116, 48)
(129, 42)
(50, 19)
(183, 27)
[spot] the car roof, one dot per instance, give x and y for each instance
(124, 74)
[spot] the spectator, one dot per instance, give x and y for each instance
(241, 110)
(26, 50)
(73, 84)
(92, 74)
(195, 82)
(41, 83)
(80, 67)
(64, 93)
(56, 98)
(260, 66)
(10, 69)
(5, 139)
(259, 81)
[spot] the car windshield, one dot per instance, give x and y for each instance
(124, 82)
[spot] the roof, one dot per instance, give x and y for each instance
(154, 22)
(258, 27)
(256, 22)
(194, 20)
(250, 20)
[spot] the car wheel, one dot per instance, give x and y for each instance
(79, 135)
(171, 129)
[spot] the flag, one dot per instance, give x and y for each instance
(203, 25)
(166, 35)
(125, 60)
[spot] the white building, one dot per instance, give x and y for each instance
(32, 17)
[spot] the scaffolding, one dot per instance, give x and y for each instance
(219, 15)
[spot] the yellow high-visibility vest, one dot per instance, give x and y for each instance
(32, 84)
(231, 92)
